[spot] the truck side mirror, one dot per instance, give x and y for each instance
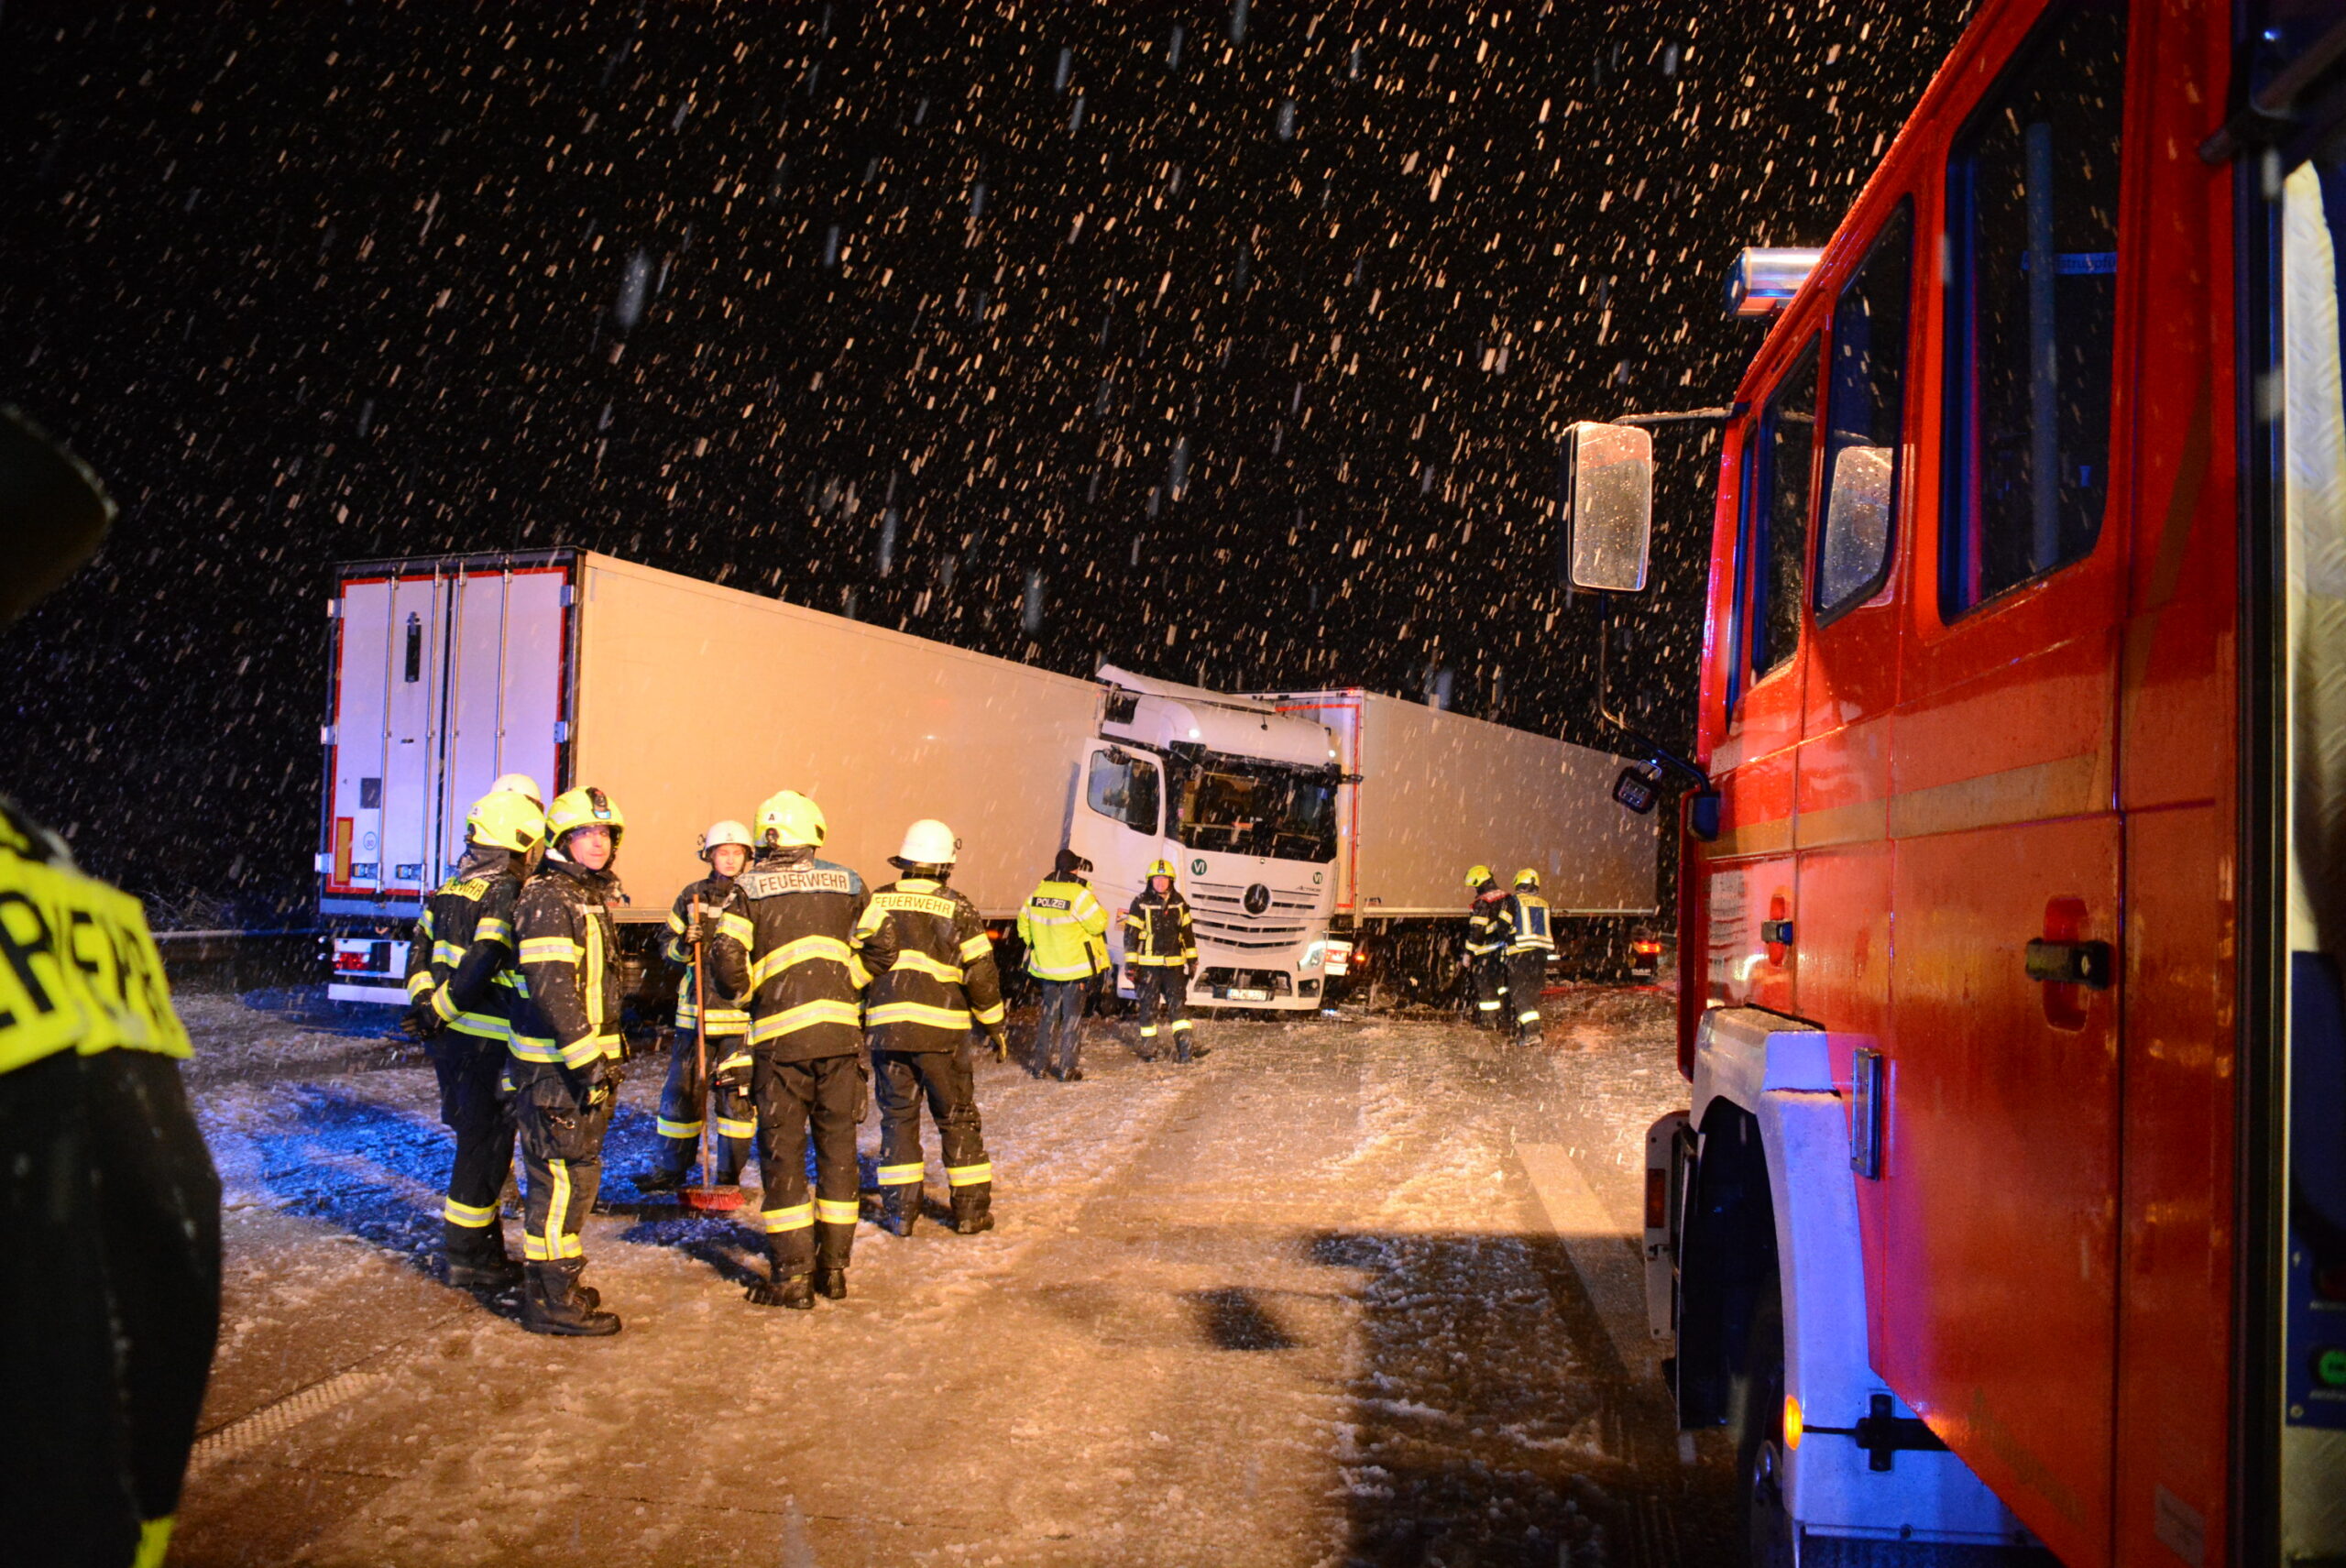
(1607, 503)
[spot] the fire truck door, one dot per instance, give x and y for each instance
(2000, 1171)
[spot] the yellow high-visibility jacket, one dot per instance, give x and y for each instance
(1065, 931)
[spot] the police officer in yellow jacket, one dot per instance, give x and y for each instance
(803, 970)
(1064, 931)
(1530, 943)
(462, 981)
(1160, 955)
(1486, 947)
(566, 1054)
(917, 1015)
(707, 906)
(109, 1209)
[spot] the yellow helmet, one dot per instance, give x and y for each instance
(505, 821)
(1163, 869)
(583, 807)
(1528, 878)
(1477, 875)
(789, 819)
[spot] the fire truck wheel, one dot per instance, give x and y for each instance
(1759, 1436)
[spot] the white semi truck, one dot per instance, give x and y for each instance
(691, 702)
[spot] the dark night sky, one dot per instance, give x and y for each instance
(1234, 342)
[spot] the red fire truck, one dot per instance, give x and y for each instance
(2009, 1213)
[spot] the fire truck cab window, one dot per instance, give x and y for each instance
(2031, 297)
(1865, 406)
(1779, 498)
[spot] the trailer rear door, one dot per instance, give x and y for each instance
(447, 673)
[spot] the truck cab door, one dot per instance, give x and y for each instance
(2002, 1161)
(1116, 827)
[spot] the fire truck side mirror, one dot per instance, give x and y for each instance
(1607, 501)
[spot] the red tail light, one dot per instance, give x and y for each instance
(1648, 949)
(1657, 1198)
(344, 962)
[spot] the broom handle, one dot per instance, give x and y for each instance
(700, 1039)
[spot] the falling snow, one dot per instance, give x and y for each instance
(1231, 343)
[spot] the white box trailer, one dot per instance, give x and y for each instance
(690, 702)
(1440, 792)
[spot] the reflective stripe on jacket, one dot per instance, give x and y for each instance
(1065, 931)
(721, 896)
(78, 971)
(460, 961)
(1156, 929)
(803, 968)
(569, 1009)
(943, 978)
(1525, 916)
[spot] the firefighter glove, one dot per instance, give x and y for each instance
(419, 1023)
(1001, 1043)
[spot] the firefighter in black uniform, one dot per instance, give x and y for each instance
(804, 970)
(1161, 956)
(683, 1101)
(1524, 918)
(463, 981)
(1486, 947)
(917, 1014)
(109, 1208)
(566, 1054)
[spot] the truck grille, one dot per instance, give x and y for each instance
(1219, 913)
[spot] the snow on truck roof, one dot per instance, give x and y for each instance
(1231, 724)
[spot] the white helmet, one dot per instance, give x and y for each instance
(521, 785)
(928, 842)
(726, 832)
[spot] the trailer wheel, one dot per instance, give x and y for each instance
(1759, 1400)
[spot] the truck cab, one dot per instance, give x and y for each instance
(1240, 798)
(2009, 1211)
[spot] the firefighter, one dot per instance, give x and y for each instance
(1160, 957)
(685, 1100)
(803, 970)
(917, 1014)
(462, 984)
(1064, 931)
(566, 1054)
(1524, 920)
(109, 1207)
(1486, 947)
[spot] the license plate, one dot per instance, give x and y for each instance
(1236, 994)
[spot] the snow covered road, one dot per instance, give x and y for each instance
(1304, 1302)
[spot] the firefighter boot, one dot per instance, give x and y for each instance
(476, 1258)
(781, 1287)
(554, 1304)
(900, 1208)
(831, 1283)
(973, 1208)
(660, 1178)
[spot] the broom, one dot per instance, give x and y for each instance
(709, 1196)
